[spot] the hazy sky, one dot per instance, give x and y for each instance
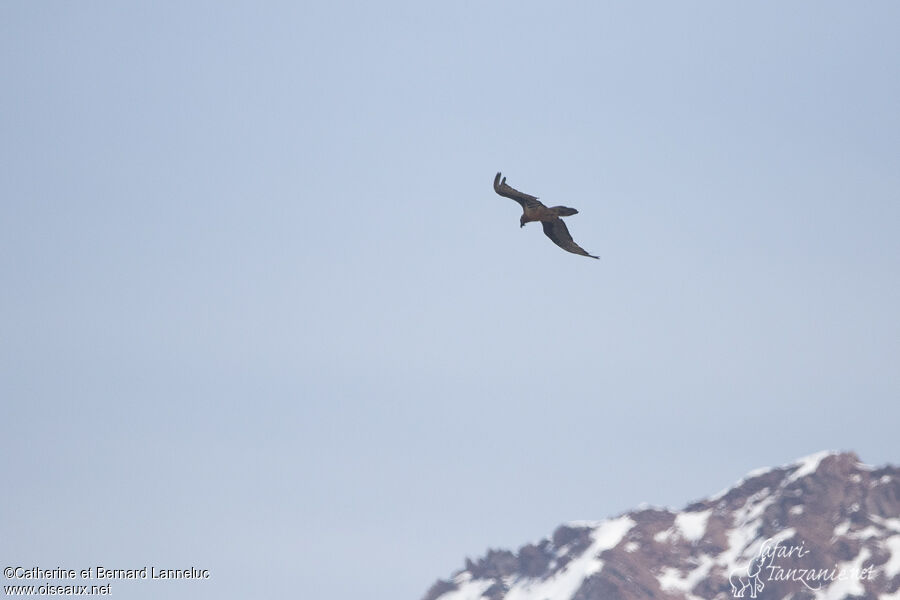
(262, 312)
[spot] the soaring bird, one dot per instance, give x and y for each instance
(534, 210)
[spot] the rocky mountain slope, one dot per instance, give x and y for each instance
(826, 527)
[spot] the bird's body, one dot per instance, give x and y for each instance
(543, 213)
(534, 210)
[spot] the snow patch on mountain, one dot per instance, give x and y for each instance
(892, 566)
(808, 465)
(673, 580)
(688, 526)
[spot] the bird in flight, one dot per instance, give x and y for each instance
(534, 210)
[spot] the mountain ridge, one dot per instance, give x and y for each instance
(826, 527)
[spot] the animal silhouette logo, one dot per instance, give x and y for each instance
(742, 580)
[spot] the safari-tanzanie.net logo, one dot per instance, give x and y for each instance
(777, 561)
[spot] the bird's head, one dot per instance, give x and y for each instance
(522, 221)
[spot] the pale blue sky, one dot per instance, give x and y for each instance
(262, 312)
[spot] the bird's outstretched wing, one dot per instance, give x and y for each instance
(557, 231)
(507, 191)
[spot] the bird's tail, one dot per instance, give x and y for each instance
(564, 211)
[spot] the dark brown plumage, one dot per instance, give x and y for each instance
(534, 210)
